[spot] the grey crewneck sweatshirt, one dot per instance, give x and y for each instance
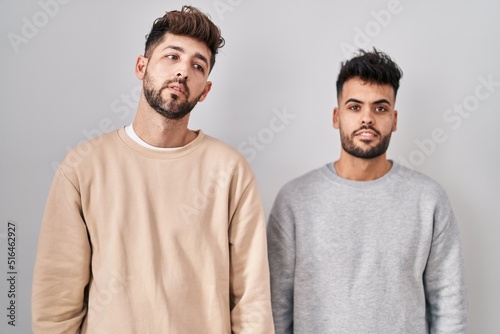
(365, 257)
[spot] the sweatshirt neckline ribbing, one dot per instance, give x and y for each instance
(331, 174)
(147, 152)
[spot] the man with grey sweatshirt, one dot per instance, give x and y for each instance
(365, 245)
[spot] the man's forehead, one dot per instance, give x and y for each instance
(366, 91)
(186, 43)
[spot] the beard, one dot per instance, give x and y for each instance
(370, 153)
(171, 108)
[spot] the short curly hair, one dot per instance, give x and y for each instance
(189, 21)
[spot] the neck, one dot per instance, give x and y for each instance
(357, 169)
(159, 131)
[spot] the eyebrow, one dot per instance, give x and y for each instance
(180, 49)
(375, 102)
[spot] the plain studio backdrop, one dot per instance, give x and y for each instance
(67, 74)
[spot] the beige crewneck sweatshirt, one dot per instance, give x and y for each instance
(135, 240)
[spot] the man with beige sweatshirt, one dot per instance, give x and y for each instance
(156, 228)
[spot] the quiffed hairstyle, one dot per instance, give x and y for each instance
(373, 67)
(189, 21)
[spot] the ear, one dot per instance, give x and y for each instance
(207, 88)
(336, 117)
(395, 122)
(140, 67)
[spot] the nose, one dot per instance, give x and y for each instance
(182, 70)
(367, 116)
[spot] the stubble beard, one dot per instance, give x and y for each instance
(350, 147)
(171, 109)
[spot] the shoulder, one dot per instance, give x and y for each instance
(218, 155)
(218, 146)
(422, 189)
(86, 153)
(218, 150)
(418, 181)
(302, 188)
(305, 181)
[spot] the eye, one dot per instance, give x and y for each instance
(354, 107)
(172, 57)
(198, 67)
(381, 109)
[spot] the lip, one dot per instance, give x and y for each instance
(177, 88)
(366, 134)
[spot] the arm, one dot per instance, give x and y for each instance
(281, 244)
(443, 277)
(62, 265)
(249, 270)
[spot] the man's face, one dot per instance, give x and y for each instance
(366, 118)
(175, 75)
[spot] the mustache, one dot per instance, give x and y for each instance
(180, 81)
(367, 127)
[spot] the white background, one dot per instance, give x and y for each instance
(67, 73)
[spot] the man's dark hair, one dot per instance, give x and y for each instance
(189, 21)
(373, 67)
